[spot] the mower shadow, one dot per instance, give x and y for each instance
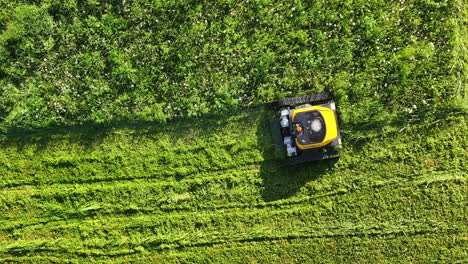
(283, 181)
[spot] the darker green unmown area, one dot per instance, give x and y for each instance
(71, 62)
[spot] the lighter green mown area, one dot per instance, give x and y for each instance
(185, 192)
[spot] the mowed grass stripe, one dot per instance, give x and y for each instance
(235, 220)
(400, 205)
(141, 169)
(127, 154)
(276, 178)
(125, 245)
(57, 189)
(187, 174)
(213, 194)
(337, 195)
(221, 194)
(418, 248)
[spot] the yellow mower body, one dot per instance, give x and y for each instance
(330, 123)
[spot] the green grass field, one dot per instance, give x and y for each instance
(135, 132)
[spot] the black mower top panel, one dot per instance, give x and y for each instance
(312, 127)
